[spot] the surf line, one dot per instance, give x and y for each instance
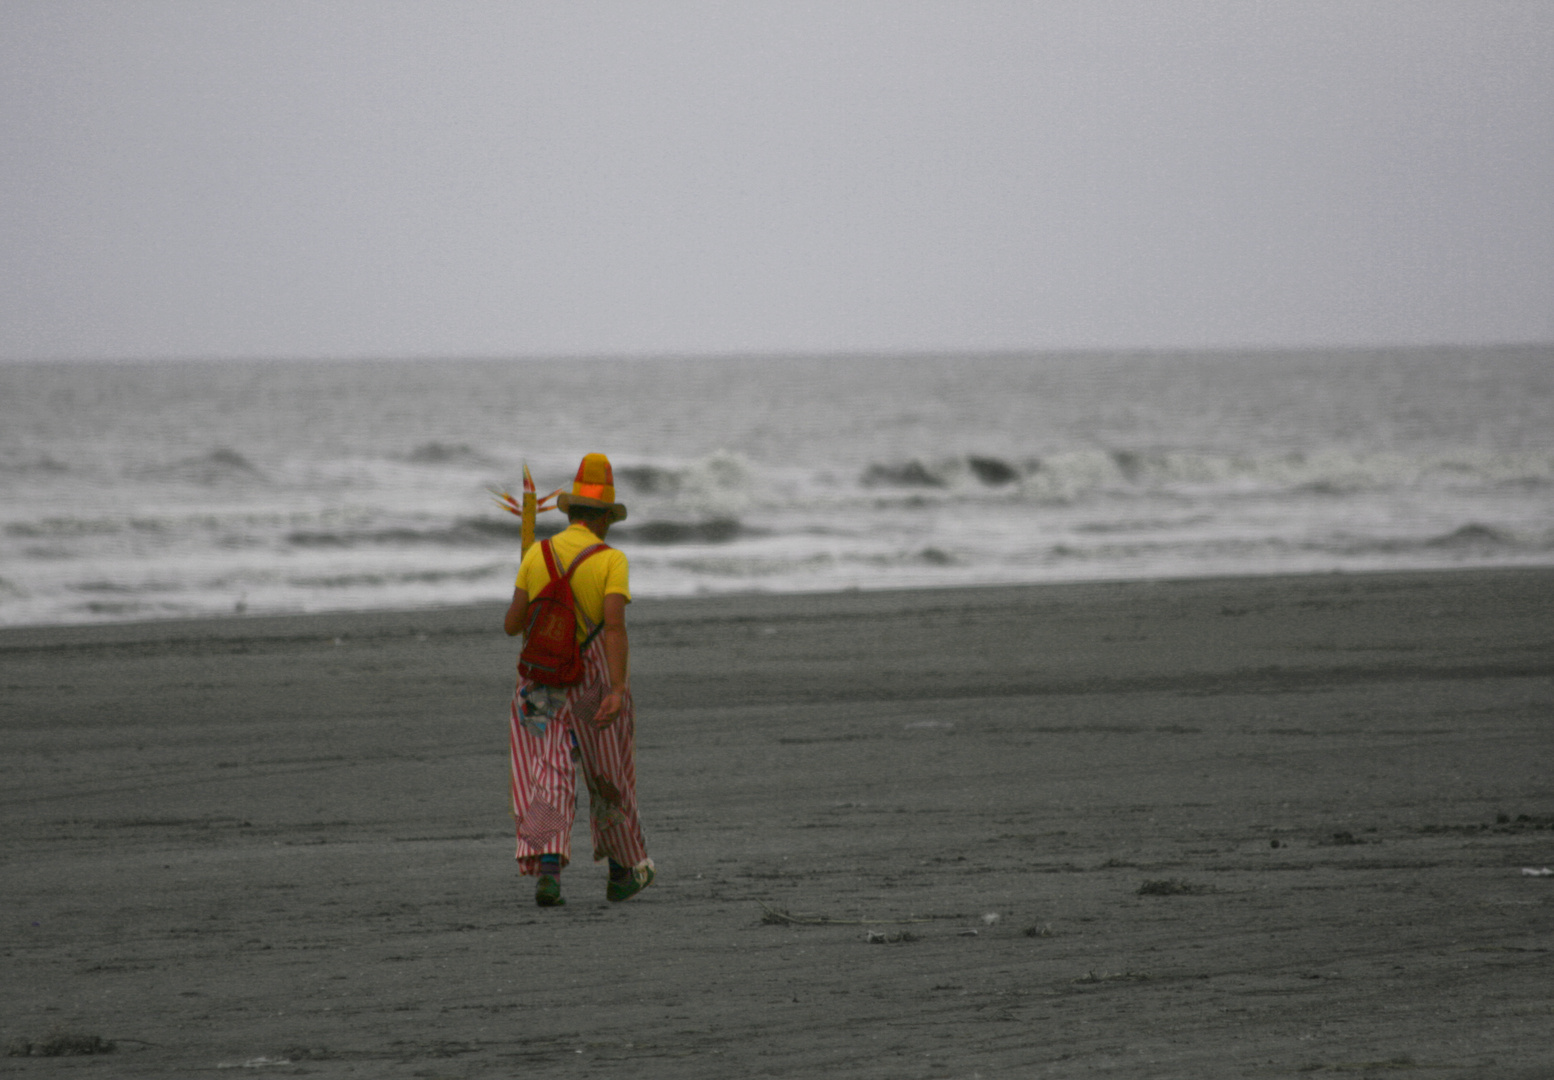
(527, 509)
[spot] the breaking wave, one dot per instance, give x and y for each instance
(507, 532)
(648, 479)
(716, 531)
(1479, 536)
(42, 464)
(64, 528)
(465, 532)
(406, 577)
(1468, 540)
(220, 466)
(438, 453)
(1077, 474)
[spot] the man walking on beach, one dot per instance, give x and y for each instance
(590, 722)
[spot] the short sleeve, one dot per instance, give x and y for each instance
(617, 576)
(531, 572)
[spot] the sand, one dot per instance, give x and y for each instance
(1233, 828)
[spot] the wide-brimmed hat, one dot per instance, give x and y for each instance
(594, 486)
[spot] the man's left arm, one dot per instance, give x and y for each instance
(617, 654)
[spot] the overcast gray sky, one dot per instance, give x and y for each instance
(372, 178)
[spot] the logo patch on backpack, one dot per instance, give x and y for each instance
(551, 654)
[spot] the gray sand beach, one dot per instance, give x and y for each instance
(1254, 827)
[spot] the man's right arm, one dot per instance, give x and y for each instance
(517, 613)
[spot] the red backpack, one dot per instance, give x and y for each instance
(551, 655)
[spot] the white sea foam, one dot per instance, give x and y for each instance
(164, 490)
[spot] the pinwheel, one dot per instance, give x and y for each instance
(526, 509)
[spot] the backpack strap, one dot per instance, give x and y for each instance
(555, 571)
(581, 555)
(550, 560)
(552, 569)
(593, 631)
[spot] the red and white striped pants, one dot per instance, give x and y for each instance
(544, 799)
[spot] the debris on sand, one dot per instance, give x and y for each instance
(1525, 821)
(62, 1044)
(1173, 887)
(1504, 823)
(782, 917)
(1341, 839)
(1533, 871)
(900, 937)
(1044, 930)
(1402, 1061)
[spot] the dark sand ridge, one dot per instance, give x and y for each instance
(287, 838)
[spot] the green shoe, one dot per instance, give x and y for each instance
(626, 888)
(547, 892)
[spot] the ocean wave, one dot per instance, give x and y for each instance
(989, 471)
(801, 563)
(507, 532)
(220, 466)
(1526, 483)
(716, 487)
(63, 528)
(910, 474)
(753, 566)
(1471, 539)
(1123, 552)
(1474, 535)
(1474, 539)
(929, 556)
(31, 465)
(103, 586)
(464, 532)
(227, 530)
(992, 471)
(381, 579)
(250, 531)
(439, 453)
(715, 531)
(1074, 475)
(1140, 525)
(648, 479)
(124, 608)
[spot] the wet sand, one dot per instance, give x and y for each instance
(1235, 828)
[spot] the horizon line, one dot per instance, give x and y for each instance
(1053, 352)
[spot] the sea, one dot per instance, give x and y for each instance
(173, 489)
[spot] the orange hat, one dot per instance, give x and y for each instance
(594, 486)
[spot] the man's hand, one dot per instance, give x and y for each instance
(610, 708)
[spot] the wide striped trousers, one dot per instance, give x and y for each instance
(546, 751)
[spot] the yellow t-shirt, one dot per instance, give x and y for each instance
(603, 573)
